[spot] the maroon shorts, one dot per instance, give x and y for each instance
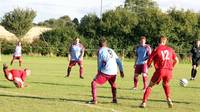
(73, 63)
(161, 74)
(141, 68)
(17, 57)
(101, 78)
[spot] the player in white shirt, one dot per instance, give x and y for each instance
(17, 55)
(107, 70)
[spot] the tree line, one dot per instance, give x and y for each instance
(122, 27)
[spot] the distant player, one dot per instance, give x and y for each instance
(143, 52)
(164, 59)
(107, 70)
(195, 51)
(18, 77)
(17, 55)
(76, 53)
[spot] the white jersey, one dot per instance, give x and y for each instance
(18, 51)
(108, 61)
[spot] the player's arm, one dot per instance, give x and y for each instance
(7, 74)
(136, 57)
(69, 55)
(151, 57)
(119, 64)
(175, 59)
(82, 53)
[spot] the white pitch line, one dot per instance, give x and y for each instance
(88, 105)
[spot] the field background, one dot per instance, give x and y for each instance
(49, 91)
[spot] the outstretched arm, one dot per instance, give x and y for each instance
(119, 63)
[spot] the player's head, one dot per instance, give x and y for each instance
(76, 40)
(142, 40)
(198, 43)
(28, 71)
(19, 43)
(103, 42)
(163, 40)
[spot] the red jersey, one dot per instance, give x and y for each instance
(13, 74)
(163, 57)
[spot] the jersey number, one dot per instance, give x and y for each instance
(165, 55)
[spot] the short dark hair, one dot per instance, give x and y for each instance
(102, 41)
(162, 38)
(142, 37)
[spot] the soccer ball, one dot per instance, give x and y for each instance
(183, 82)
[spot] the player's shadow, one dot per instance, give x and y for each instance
(153, 100)
(75, 85)
(193, 87)
(3, 86)
(59, 84)
(42, 98)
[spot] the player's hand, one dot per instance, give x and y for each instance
(81, 58)
(122, 74)
(149, 66)
(5, 66)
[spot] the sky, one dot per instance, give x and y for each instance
(47, 9)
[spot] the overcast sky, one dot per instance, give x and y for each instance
(78, 8)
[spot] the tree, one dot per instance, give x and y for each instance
(139, 6)
(118, 26)
(63, 21)
(19, 21)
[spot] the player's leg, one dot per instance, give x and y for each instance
(20, 61)
(71, 64)
(166, 86)
(136, 74)
(156, 78)
(99, 79)
(12, 60)
(18, 83)
(80, 63)
(144, 75)
(194, 69)
(135, 79)
(113, 88)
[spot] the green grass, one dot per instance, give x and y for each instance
(49, 91)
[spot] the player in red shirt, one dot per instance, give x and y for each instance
(164, 59)
(18, 77)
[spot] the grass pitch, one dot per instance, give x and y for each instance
(49, 91)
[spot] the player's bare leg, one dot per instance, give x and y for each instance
(81, 70)
(144, 76)
(20, 62)
(12, 61)
(68, 72)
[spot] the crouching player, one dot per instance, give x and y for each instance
(18, 77)
(107, 70)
